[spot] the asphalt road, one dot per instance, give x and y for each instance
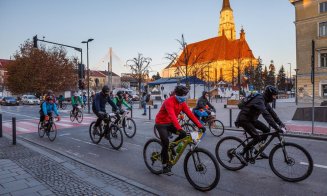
(255, 179)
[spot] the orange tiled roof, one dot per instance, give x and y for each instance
(215, 49)
(4, 62)
(94, 73)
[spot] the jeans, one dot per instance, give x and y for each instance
(144, 107)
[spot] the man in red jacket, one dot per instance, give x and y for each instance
(166, 121)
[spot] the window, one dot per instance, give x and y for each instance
(323, 7)
(324, 90)
(323, 29)
(323, 60)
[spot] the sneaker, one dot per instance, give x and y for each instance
(240, 157)
(167, 170)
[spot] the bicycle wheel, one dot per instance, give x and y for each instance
(95, 136)
(216, 127)
(52, 132)
(40, 130)
(201, 169)
(115, 136)
(79, 116)
(156, 133)
(64, 106)
(152, 156)
(225, 153)
(72, 116)
(291, 162)
(188, 128)
(129, 127)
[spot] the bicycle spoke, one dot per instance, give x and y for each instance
(152, 156)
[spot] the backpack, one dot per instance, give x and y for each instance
(246, 100)
(147, 98)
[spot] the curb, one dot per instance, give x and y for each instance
(25, 142)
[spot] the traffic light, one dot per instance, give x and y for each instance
(81, 84)
(81, 71)
(35, 41)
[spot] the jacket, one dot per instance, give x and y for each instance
(47, 108)
(201, 104)
(99, 103)
(169, 111)
(257, 106)
(120, 102)
(76, 100)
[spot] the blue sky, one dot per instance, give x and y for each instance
(150, 27)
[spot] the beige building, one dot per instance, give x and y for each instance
(311, 24)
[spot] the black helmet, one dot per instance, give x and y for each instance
(120, 94)
(50, 92)
(105, 90)
(269, 92)
(204, 93)
(181, 90)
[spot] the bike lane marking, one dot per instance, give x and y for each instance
(33, 117)
(20, 129)
(122, 148)
(316, 165)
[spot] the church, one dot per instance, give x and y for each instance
(215, 59)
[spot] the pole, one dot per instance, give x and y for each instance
(313, 83)
(88, 78)
(14, 131)
(230, 117)
(149, 112)
(110, 73)
(296, 100)
(0, 125)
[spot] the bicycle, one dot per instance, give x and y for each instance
(49, 128)
(63, 105)
(200, 160)
(108, 130)
(78, 114)
(281, 157)
(128, 124)
(186, 126)
(215, 126)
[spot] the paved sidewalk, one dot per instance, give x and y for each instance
(26, 169)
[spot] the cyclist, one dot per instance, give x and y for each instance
(248, 119)
(166, 121)
(119, 101)
(61, 98)
(47, 107)
(75, 100)
(99, 106)
(203, 107)
(84, 98)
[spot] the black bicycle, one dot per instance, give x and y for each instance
(108, 130)
(127, 123)
(49, 128)
(289, 161)
(77, 114)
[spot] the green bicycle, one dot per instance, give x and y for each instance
(200, 166)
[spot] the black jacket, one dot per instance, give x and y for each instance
(259, 105)
(202, 102)
(99, 103)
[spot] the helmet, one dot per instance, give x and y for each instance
(181, 90)
(75, 94)
(105, 90)
(204, 93)
(50, 92)
(120, 94)
(49, 98)
(269, 92)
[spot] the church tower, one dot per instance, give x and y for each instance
(226, 21)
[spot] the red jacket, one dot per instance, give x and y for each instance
(169, 111)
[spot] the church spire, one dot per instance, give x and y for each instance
(226, 21)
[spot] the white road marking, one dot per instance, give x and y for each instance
(64, 134)
(64, 125)
(9, 125)
(20, 114)
(97, 145)
(316, 165)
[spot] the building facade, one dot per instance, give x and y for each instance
(311, 24)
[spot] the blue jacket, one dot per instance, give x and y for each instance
(99, 103)
(47, 108)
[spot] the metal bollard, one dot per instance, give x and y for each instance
(149, 112)
(14, 131)
(230, 117)
(131, 111)
(0, 125)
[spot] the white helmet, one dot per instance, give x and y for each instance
(75, 94)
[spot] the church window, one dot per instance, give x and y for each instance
(323, 29)
(323, 7)
(323, 60)
(324, 90)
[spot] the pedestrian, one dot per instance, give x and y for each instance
(143, 102)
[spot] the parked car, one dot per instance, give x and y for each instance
(30, 99)
(9, 101)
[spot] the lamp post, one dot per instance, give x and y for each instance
(296, 70)
(88, 73)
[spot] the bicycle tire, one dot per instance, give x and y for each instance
(156, 132)
(71, 116)
(79, 116)
(154, 156)
(308, 163)
(93, 136)
(115, 132)
(219, 151)
(64, 106)
(129, 122)
(218, 129)
(201, 168)
(40, 130)
(52, 132)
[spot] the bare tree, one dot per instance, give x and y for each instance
(140, 67)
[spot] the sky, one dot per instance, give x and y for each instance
(149, 27)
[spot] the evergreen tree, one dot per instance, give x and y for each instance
(258, 80)
(271, 80)
(281, 79)
(265, 76)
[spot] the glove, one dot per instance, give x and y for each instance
(59, 118)
(282, 130)
(203, 129)
(46, 118)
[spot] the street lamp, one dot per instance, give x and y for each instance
(88, 72)
(296, 70)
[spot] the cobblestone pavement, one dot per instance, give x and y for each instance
(24, 171)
